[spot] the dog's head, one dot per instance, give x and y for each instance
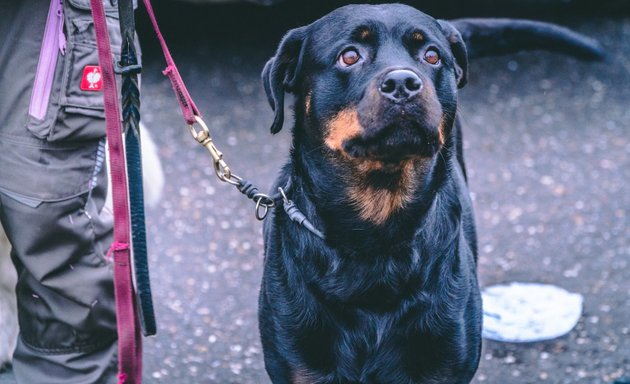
(373, 83)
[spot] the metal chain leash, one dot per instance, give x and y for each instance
(224, 173)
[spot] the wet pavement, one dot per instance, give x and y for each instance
(547, 141)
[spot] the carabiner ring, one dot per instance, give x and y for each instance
(194, 132)
(232, 179)
(265, 202)
(260, 216)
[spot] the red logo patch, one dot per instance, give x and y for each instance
(92, 79)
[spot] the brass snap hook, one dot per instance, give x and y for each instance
(203, 137)
(198, 135)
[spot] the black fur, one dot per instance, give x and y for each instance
(489, 37)
(378, 301)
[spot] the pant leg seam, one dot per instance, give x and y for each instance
(112, 367)
(98, 167)
(77, 348)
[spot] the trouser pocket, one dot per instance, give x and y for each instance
(82, 90)
(65, 291)
(76, 93)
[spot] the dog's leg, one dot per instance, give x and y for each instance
(277, 371)
(276, 366)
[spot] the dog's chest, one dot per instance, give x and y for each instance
(363, 342)
(374, 348)
(387, 317)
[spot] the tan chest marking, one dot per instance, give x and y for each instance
(378, 205)
(375, 205)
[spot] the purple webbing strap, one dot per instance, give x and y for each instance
(187, 105)
(129, 337)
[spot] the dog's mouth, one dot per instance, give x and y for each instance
(387, 133)
(394, 143)
(392, 133)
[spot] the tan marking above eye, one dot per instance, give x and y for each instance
(417, 36)
(343, 126)
(365, 34)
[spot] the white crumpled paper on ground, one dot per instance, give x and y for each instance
(526, 312)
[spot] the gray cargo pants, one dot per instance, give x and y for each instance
(52, 191)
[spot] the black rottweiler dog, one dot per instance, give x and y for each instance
(378, 285)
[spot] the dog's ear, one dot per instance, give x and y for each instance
(458, 47)
(282, 73)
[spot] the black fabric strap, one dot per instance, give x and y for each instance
(129, 68)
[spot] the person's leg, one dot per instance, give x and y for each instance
(52, 191)
(8, 305)
(60, 239)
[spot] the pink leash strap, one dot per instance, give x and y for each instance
(129, 337)
(189, 109)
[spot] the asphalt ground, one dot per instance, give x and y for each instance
(547, 142)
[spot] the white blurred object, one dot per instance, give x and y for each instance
(527, 312)
(152, 173)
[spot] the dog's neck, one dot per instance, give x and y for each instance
(379, 191)
(367, 203)
(409, 246)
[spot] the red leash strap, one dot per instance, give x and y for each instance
(129, 337)
(189, 109)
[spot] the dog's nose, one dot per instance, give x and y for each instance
(400, 84)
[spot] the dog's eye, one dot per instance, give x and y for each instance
(431, 56)
(349, 57)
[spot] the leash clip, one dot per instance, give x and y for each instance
(294, 213)
(203, 137)
(223, 172)
(284, 196)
